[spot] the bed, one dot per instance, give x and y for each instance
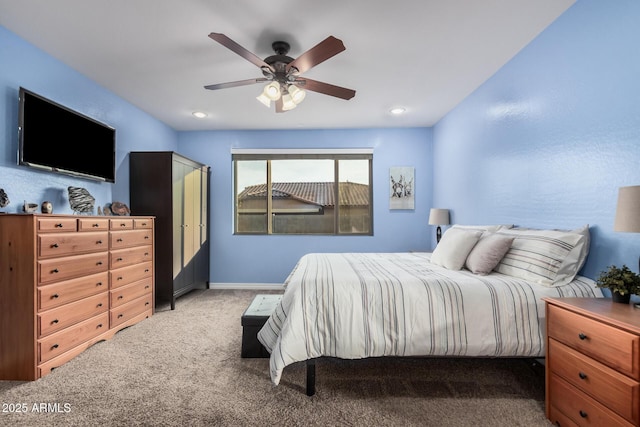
(360, 305)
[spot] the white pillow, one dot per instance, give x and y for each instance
(547, 257)
(454, 247)
(487, 253)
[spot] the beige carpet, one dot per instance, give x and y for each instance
(183, 368)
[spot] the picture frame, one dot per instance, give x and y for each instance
(402, 187)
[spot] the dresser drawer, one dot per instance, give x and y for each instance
(614, 347)
(67, 315)
(142, 223)
(121, 224)
(61, 293)
(580, 408)
(127, 311)
(128, 293)
(57, 269)
(126, 275)
(616, 391)
(93, 224)
(56, 224)
(63, 341)
(63, 244)
(124, 257)
(124, 239)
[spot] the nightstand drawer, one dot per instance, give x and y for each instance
(580, 408)
(612, 346)
(614, 390)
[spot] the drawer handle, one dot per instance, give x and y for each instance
(146, 287)
(55, 270)
(146, 237)
(146, 303)
(53, 347)
(99, 242)
(55, 245)
(99, 304)
(96, 225)
(144, 223)
(120, 315)
(99, 263)
(123, 225)
(59, 225)
(119, 259)
(582, 336)
(583, 414)
(119, 278)
(146, 270)
(582, 375)
(119, 240)
(99, 284)
(120, 296)
(54, 296)
(99, 325)
(54, 321)
(146, 254)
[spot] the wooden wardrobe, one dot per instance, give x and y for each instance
(175, 190)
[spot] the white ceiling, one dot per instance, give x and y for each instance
(423, 55)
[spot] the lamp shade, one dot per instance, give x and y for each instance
(628, 210)
(439, 217)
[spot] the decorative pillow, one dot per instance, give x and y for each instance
(546, 257)
(454, 247)
(487, 253)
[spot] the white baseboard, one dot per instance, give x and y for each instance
(248, 286)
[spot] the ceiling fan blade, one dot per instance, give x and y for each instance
(324, 50)
(236, 83)
(325, 88)
(230, 44)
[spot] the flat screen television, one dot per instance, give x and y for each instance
(54, 138)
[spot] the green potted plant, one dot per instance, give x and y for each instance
(621, 281)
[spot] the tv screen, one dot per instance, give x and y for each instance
(57, 139)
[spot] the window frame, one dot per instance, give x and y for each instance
(301, 154)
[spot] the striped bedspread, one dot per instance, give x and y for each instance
(357, 305)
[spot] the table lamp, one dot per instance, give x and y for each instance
(439, 217)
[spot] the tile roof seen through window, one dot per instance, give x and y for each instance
(317, 193)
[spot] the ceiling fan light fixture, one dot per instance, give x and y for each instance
(272, 91)
(296, 93)
(287, 102)
(264, 99)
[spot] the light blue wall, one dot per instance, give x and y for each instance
(547, 141)
(21, 64)
(269, 259)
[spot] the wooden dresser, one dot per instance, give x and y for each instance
(592, 362)
(67, 282)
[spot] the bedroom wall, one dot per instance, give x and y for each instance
(21, 64)
(269, 259)
(547, 141)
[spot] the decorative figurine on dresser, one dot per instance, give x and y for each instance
(67, 282)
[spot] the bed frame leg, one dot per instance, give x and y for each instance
(311, 377)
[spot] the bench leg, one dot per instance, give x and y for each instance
(311, 377)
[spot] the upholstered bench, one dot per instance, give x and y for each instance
(253, 319)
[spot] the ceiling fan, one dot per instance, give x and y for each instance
(282, 73)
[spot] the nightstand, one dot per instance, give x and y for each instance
(592, 362)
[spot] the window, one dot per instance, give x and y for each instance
(303, 192)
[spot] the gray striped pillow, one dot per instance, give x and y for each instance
(538, 255)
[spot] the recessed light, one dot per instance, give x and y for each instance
(199, 114)
(397, 110)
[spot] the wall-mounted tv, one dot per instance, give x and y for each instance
(57, 139)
